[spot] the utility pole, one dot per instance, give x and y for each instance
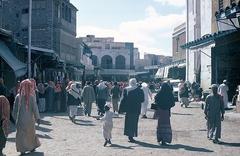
(187, 40)
(29, 38)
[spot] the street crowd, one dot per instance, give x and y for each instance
(23, 105)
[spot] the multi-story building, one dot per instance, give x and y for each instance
(178, 39)
(217, 45)
(53, 26)
(53, 29)
(115, 58)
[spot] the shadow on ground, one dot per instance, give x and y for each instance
(230, 144)
(174, 147)
(45, 136)
(43, 129)
(181, 114)
(34, 154)
(47, 123)
(120, 146)
(84, 123)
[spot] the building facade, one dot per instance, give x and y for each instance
(218, 43)
(53, 29)
(178, 39)
(53, 26)
(115, 58)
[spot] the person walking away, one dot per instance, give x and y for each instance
(63, 98)
(223, 91)
(96, 83)
(11, 99)
(58, 91)
(147, 94)
(50, 95)
(133, 97)
(184, 95)
(42, 101)
(102, 96)
(235, 97)
(4, 121)
(73, 101)
(26, 114)
(88, 97)
(214, 112)
(165, 101)
(115, 94)
(180, 86)
(107, 124)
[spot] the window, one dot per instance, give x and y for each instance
(63, 8)
(70, 15)
(220, 3)
(25, 11)
(177, 44)
(106, 62)
(24, 29)
(66, 13)
(116, 47)
(107, 46)
(120, 62)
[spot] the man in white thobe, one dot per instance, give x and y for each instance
(223, 91)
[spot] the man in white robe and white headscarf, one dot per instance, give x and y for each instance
(74, 100)
(147, 94)
(223, 91)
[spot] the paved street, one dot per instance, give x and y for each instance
(60, 137)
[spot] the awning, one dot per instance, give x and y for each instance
(18, 67)
(182, 65)
(42, 51)
(160, 73)
(207, 38)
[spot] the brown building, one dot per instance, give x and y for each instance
(178, 39)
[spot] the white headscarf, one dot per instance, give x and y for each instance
(132, 84)
(102, 85)
(144, 85)
(74, 91)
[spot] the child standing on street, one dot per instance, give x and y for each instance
(107, 124)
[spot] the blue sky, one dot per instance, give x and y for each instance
(147, 23)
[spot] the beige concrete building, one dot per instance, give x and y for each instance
(178, 39)
(116, 59)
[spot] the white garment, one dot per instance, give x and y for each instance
(132, 85)
(101, 85)
(107, 124)
(222, 90)
(180, 85)
(147, 93)
(73, 110)
(74, 91)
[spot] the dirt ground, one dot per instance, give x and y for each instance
(60, 137)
